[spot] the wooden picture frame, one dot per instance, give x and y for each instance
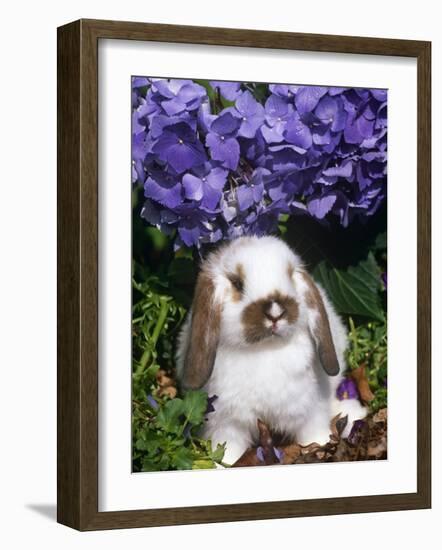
(78, 274)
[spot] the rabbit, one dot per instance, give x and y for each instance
(265, 339)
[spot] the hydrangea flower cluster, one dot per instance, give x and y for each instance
(222, 159)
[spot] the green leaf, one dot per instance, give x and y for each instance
(260, 91)
(202, 464)
(218, 454)
(206, 84)
(226, 103)
(140, 444)
(380, 399)
(182, 459)
(354, 291)
(157, 238)
(380, 242)
(169, 414)
(195, 404)
(153, 443)
(151, 465)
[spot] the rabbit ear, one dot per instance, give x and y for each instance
(204, 334)
(319, 326)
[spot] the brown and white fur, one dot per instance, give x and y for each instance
(264, 338)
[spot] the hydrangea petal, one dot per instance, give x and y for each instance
(224, 150)
(229, 90)
(307, 97)
(169, 195)
(226, 124)
(244, 195)
(193, 187)
(319, 207)
(298, 133)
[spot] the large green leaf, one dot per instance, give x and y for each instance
(354, 291)
(195, 405)
(169, 415)
(380, 242)
(182, 458)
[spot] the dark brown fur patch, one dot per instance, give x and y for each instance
(204, 335)
(290, 271)
(237, 280)
(321, 332)
(254, 315)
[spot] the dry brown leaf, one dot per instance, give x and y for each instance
(249, 458)
(377, 449)
(163, 379)
(380, 416)
(266, 441)
(310, 448)
(337, 425)
(169, 391)
(291, 453)
(360, 377)
(371, 444)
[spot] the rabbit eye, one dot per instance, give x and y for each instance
(236, 279)
(237, 283)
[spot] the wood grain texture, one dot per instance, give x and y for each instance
(77, 222)
(77, 276)
(252, 38)
(424, 274)
(68, 276)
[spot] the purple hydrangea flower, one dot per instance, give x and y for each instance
(260, 454)
(307, 97)
(180, 147)
(205, 184)
(355, 432)
(331, 113)
(284, 90)
(179, 95)
(195, 224)
(298, 133)
(167, 191)
(222, 141)
(320, 206)
(252, 191)
(251, 114)
(210, 400)
(208, 175)
(277, 112)
(279, 454)
(229, 90)
(152, 402)
(347, 389)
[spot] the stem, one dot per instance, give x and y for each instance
(183, 427)
(218, 102)
(156, 334)
(354, 337)
(249, 88)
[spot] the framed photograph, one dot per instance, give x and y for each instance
(243, 308)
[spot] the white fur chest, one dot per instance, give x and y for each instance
(275, 382)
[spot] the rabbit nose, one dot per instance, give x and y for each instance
(274, 311)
